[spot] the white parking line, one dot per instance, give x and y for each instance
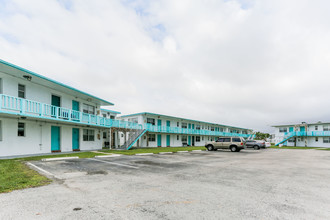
(118, 164)
(42, 170)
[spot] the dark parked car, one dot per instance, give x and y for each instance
(255, 144)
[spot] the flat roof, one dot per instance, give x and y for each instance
(19, 72)
(149, 113)
(315, 123)
(111, 111)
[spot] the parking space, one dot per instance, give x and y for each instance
(265, 184)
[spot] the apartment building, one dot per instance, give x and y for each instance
(170, 131)
(303, 134)
(40, 115)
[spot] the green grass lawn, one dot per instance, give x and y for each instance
(154, 150)
(16, 175)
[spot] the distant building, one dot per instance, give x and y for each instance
(170, 131)
(303, 134)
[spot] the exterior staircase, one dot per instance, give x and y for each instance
(133, 138)
(287, 137)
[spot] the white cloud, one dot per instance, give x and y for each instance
(248, 63)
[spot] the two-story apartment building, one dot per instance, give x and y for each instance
(169, 131)
(303, 134)
(40, 115)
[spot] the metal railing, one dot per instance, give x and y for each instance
(25, 107)
(178, 130)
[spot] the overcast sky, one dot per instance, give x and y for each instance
(248, 63)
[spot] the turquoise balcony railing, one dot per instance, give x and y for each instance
(28, 108)
(177, 130)
(307, 134)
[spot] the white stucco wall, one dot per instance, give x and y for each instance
(37, 139)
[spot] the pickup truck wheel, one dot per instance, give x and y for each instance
(256, 147)
(233, 148)
(210, 148)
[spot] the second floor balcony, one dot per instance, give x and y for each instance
(33, 109)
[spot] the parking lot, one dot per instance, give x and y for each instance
(265, 184)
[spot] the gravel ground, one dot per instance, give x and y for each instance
(265, 184)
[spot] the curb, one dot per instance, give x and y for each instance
(183, 151)
(165, 153)
(59, 158)
(144, 154)
(196, 150)
(112, 155)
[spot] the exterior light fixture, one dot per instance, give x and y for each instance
(27, 77)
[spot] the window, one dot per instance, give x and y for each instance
(184, 138)
(198, 138)
(316, 139)
(212, 128)
(21, 91)
(291, 140)
(151, 121)
(152, 137)
(236, 140)
(88, 135)
(184, 125)
(177, 137)
(226, 139)
(326, 140)
(21, 129)
(112, 117)
(326, 128)
(198, 127)
(202, 138)
(104, 134)
(89, 109)
(283, 129)
(316, 128)
(1, 86)
(178, 124)
(104, 115)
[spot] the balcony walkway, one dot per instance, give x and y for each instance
(27, 108)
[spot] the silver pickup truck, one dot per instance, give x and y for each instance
(235, 144)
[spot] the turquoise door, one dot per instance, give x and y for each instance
(159, 122)
(291, 129)
(193, 126)
(159, 140)
(75, 139)
(168, 123)
(168, 140)
(75, 105)
(189, 126)
(55, 139)
(189, 140)
(56, 101)
(302, 128)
